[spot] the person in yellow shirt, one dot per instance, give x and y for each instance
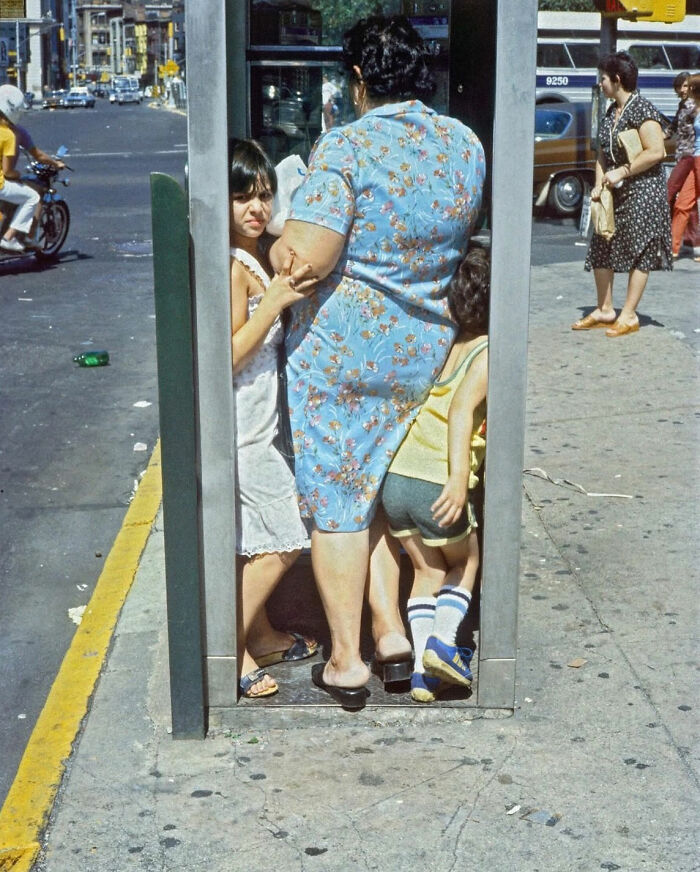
(426, 491)
(23, 197)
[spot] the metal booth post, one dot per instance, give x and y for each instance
(217, 82)
(207, 139)
(511, 217)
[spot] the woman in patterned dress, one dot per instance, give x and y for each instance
(642, 239)
(384, 216)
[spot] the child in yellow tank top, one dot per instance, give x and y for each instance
(426, 490)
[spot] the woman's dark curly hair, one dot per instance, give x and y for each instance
(392, 57)
(620, 65)
(250, 169)
(470, 289)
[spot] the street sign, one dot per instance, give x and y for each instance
(4, 52)
(13, 9)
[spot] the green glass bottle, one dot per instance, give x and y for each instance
(92, 358)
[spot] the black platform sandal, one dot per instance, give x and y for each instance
(352, 698)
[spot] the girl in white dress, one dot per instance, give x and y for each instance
(269, 529)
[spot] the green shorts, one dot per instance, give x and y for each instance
(407, 503)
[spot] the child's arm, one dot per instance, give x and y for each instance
(284, 289)
(471, 392)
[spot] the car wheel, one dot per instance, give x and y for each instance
(566, 194)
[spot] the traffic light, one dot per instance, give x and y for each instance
(643, 10)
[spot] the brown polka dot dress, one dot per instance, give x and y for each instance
(642, 238)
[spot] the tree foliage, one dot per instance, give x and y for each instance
(340, 15)
(566, 6)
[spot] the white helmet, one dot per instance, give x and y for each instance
(11, 103)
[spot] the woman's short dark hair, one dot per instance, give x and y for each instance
(680, 80)
(249, 166)
(694, 85)
(470, 289)
(620, 65)
(391, 55)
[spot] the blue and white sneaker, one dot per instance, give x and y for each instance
(448, 662)
(424, 688)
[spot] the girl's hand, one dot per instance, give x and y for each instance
(449, 505)
(290, 285)
(596, 192)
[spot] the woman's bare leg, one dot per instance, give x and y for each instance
(604, 290)
(340, 562)
(636, 284)
(382, 592)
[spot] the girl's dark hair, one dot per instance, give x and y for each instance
(391, 55)
(250, 169)
(470, 289)
(620, 65)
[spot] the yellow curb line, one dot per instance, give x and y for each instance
(30, 799)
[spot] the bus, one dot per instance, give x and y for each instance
(568, 49)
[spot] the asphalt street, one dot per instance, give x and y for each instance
(72, 440)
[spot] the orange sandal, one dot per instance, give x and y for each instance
(590, 323)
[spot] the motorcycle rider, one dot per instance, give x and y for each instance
(11, 191)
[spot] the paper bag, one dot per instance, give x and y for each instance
(602, 216)
(632, 144)
(290, 174)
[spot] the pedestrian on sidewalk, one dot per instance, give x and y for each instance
(426, 491)
(269, 531)
(683, 194)
(384, 215)
(642, 239)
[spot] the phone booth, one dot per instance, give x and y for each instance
(270, 70)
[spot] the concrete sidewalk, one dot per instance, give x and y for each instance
(596, 769)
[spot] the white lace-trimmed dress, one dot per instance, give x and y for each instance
(267, 509)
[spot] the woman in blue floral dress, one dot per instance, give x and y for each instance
(384, 216)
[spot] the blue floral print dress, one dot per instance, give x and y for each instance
(403, 185)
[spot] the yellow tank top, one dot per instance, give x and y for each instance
(423, 453)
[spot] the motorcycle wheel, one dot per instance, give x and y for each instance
(53, 229)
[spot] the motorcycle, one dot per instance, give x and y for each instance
(54, 220)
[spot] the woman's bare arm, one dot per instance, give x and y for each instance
(309, 243)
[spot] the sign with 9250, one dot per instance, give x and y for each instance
(557, 80)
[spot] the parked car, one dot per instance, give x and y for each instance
(54, 100)
(564, 160)
(80, 97)
(101, 90)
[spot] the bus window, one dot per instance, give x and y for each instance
(551, 54)
(649, 57)
(585, 54)
(683, 57)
